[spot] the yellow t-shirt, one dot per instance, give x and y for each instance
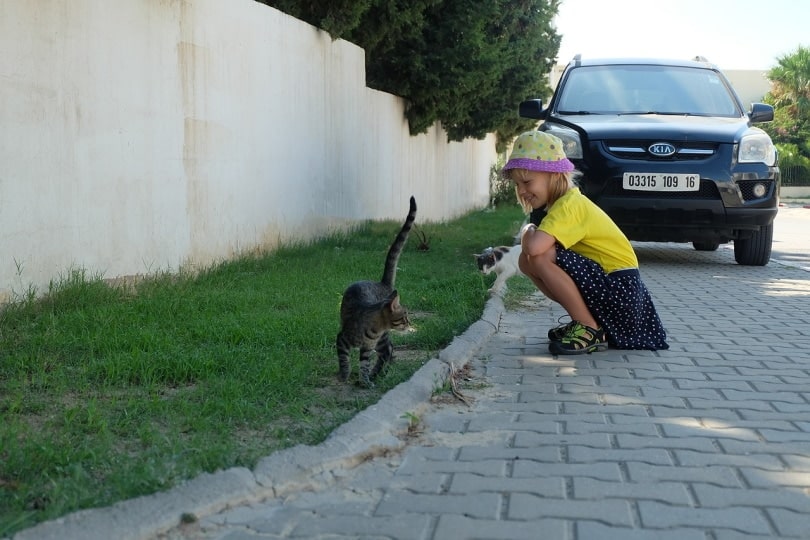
(581, 226)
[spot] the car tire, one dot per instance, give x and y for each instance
(755, 250)
(706, 246)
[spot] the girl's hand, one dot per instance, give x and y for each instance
(526, 228)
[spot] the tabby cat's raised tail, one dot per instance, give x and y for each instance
(392, 259)
(369, 311)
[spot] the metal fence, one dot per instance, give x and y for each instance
(796, 175)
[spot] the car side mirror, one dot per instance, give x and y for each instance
(760, 112)
(532, 108)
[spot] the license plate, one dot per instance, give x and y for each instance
(661, 181)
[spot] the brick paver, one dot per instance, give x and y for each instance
(708, 440)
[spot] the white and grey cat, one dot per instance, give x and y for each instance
(503, 260)
(369, 311)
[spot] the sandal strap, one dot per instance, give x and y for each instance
(580, 339)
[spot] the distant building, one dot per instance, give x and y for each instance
(751, 84)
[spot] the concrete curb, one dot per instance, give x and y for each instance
(372, 432)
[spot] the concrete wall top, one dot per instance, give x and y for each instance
(149, 135)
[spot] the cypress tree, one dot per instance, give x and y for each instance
(464, 63)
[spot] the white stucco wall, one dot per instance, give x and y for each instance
(150, 134)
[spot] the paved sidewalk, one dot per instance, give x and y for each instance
(708, 440)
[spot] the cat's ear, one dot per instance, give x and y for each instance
(393, 299)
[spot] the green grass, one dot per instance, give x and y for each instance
(109, 392)
(520, 288)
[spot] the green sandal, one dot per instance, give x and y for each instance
(580, 339)
(559, 332)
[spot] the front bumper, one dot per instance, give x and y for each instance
(687, 223)
(720, 211)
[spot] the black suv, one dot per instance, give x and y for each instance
(668, 151)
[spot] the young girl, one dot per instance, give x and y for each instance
(578, 257)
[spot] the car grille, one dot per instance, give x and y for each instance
(708, 190)
(637, 149)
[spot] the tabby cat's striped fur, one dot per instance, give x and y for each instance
(369, 310)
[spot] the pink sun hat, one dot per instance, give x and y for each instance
(538, 151)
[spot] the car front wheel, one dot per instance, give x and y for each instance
(755, 250)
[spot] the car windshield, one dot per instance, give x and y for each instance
(646, 89)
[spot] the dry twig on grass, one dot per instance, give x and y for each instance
(454, 376)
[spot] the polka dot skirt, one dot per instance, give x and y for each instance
(619, 301)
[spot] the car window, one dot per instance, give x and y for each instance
(624, 89)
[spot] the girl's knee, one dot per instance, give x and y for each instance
(536, 264)
(544, 259)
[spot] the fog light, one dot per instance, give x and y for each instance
(760, 190)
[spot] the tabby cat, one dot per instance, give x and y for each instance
(369, 310)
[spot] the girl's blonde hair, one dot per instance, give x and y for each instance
(559, 184)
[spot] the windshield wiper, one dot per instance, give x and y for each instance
(582, 113)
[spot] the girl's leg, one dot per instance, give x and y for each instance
(524, 265)
(556, 284)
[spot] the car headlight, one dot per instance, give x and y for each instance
(756, 148)
(570, 139)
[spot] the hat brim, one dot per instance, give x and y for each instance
(559, 166)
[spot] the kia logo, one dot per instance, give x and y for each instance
(661, 149)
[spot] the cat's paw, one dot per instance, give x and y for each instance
(364, 380)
